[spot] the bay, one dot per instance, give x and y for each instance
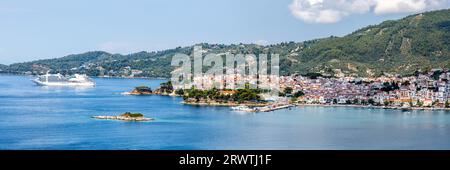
(36, 117)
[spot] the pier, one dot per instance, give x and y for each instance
(273, 108)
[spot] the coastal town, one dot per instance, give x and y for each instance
(419, 91)
(430, 89)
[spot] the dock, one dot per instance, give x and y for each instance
(273, 108)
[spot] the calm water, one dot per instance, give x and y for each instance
(34, 117)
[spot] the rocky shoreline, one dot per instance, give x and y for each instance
(229, 104)
(376, 107)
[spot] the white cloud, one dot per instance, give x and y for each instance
(317, 11)
(408, 6)
(332, 11)
(361, 6)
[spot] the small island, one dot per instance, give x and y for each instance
(212, 97)
(128, 116)
(222, 97)
(141, 90)
(165, 89)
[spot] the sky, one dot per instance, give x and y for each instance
(31, 30)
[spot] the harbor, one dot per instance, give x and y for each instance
(66, 115)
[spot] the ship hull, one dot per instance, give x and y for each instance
(63, 84)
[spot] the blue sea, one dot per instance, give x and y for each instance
(41, 118)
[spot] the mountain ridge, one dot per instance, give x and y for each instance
(417, 42)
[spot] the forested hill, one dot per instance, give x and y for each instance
(415, 43)
(3, 67)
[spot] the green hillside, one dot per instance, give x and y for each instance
(3, 67)
(416, 43)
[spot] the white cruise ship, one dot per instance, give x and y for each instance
(60, 80)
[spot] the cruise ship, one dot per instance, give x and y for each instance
(60, 80)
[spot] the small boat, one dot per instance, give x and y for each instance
(60, 80)
(405, 108)
(243, 108)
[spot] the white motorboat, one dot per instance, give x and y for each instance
(243, 109)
